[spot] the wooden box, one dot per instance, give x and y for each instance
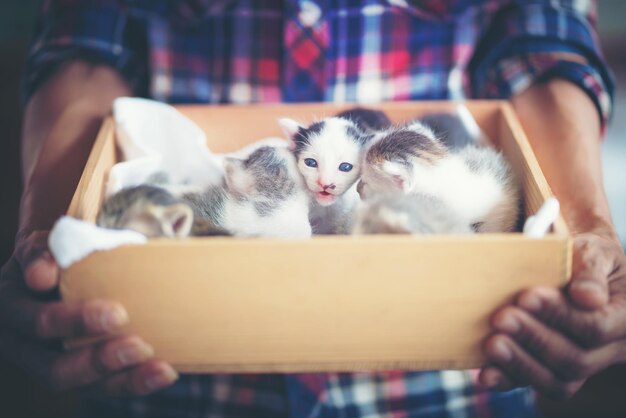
(333, 303)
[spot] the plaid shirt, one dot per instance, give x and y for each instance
(239, 51)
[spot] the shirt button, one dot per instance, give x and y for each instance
(309, 14)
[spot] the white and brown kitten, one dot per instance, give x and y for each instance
(475, 183)
(329, 155)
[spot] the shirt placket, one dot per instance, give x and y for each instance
(305, 44)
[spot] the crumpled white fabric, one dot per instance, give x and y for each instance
(157, 140)
(71, 240)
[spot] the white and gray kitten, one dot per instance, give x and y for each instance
(475, 183)
(329, 154)
(261, 195)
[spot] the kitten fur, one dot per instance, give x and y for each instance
(367, 120)
(475, 182)
(449, 129)
(261, 195)
(330, 144)
(396, 213)
(154, 212)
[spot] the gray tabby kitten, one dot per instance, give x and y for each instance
(261, 195)
(154, 212)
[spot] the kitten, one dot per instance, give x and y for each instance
(475, 182)
(261, 195)
(329, 154)
(147, 209)
(396, 213)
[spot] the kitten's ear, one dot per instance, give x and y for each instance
(422, 129)
(398, 173)
(290, 129)
(174, 221)
(238, 179)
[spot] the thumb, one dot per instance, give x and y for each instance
(42, 273)
(589, 287)
(38, 266)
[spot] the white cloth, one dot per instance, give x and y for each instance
(71, 240)
(539, 225)
(157, 140)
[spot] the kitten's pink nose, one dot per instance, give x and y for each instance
(324, 186)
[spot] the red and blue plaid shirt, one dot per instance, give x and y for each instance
(242, 51)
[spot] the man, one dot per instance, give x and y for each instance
(542, 54)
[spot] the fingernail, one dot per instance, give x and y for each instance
(161, 379)
(501, 351)
(135, 353)
(113, 318)
(491, 379)
(507, 323)
(530, 302)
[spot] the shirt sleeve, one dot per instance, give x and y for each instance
(100, 31)
(534, 41)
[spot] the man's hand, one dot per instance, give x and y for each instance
(554, 340)
(32, 327)
(61, 121)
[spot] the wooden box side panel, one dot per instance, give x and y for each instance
(88, 196)
(519, 153)
(235, 306)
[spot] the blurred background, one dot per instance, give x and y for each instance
(20, 397)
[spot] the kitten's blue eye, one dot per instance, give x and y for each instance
(310, 162)
(345, 167)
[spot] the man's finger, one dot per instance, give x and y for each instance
(42, 274)
(494, 378)
(89, 365)
(587, 328)
(509, 357)
(32, 254)
(146, 378)
(566, 360)
(592, 264)
(53, 320)
(62, 371)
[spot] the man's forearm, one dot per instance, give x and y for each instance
(60, 124)
(563, 128)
